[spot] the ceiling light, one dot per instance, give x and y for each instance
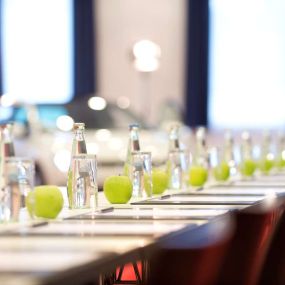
(97, 103)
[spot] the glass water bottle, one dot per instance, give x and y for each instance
(78, 144)
(133, 146)
(280, 151)
(78, 147)
(266, 160)
(2, 157)
(229, 155)
(174, 143)
(6, 148)
(201, 156)
(6, 151)
(177, 165)
(7, 140)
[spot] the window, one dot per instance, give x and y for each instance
(247, 64)
(37, 50)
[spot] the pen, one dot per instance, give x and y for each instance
(106, 210)
(165, 197)
(40, 224)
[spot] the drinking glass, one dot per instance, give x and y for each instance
(18, 178)
(141, 174)
(177, 168)
(82, 188)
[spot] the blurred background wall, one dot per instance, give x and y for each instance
(119, 24)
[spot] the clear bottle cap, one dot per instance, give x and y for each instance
(134, 126)
(246, 136)
(78, 126)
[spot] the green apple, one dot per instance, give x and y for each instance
(46, 201)
(247, 167)
(118, 189)
(198, 175)
(265, 165)
(222, 171)
(159, 181)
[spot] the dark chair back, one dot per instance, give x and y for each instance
(273, 271)
(255, 227)
(193, 256)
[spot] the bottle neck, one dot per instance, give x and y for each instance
(281, 145)
(201, 156)
(229, 150)
(134, 144)
(174, 143)
(79, 144)
(265, 147)
(246, 149)
(2, 157)
(79, 135)
(7, 145)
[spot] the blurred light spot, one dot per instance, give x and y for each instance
(283, 154)
(103, 135)
(7, 100)
(270, 156)
(270, 194)
(231, 163)
(92, 148)
(97, 103)
(115, 144)
(123, 102)
(270, 198)
(245, 135)
(147, 65)
(142, 243)
(147, 54)
(146, 49)
(62, 159)
(64, 123)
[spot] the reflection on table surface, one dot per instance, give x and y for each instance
(243, 190)
(92, 228)
(49, 254)
(203, 198)
(155, 213)
(209, 200)
(263, 181)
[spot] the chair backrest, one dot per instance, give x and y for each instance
(273, 271)
(255, 227)
(193, 256)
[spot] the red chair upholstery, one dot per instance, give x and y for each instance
(131, 272)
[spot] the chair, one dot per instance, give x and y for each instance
(273, 271)
(193, 256)
(255, 227)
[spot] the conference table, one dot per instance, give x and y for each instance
(84, 244)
